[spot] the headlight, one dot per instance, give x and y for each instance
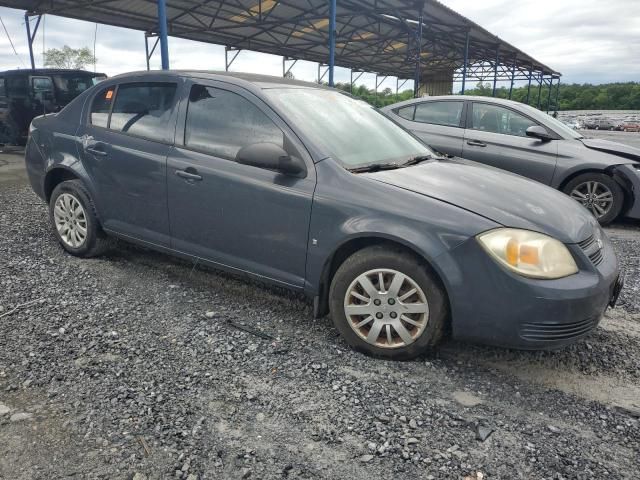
(529, 253)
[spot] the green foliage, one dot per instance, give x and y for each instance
(384, 98)
(67, 57)
(610, 96)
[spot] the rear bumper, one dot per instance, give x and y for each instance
(493, 306)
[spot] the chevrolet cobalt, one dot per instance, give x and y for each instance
(310, 189)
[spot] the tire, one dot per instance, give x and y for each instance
(94, 241)
(617, 195)
(426, 329)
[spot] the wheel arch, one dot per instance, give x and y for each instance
(355, 244)
(610, 171)
(56, 176)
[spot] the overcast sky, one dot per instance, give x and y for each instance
(592, 41)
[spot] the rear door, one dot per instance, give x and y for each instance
(438, 123)
(495, 135)
(124, 146)
(248, 218)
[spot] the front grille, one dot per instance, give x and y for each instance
(556, 331)
(593, 249)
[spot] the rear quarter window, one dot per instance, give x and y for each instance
(3, 88)
(439, 113)
(101, 107)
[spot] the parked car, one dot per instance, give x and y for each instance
(604, 176)
(600, 124)
(631, 127)
(310, 189)
(25, 94)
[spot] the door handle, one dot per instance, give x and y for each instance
(95, 151)
(476, 143)
(189, 175)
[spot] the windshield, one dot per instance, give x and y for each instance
(354, 132)
(69, 86)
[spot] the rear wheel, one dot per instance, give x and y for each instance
(74, 220)
(386, 304)
(599, 193)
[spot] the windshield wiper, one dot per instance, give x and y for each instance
(375, 167)
(417, 159)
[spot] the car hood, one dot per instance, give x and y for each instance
(508, 199)
(613, 148)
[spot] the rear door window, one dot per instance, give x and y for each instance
(439, 113)
(495, 119)
(220, 122)
(145, 110)
(101, 107)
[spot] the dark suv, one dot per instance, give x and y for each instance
(25, 94)
(307, 188)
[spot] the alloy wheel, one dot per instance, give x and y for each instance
(70, 220)
(386, 308)
(597, 197)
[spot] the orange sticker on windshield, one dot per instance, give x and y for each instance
(109, 94)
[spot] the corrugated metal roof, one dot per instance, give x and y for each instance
(374, 36)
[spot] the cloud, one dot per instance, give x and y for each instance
(587, 40)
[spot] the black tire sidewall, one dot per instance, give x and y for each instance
(384, 257)
(616, 190)
(75, 188)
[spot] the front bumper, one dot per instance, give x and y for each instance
(494, 306)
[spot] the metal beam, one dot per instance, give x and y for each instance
(285, 70)
(495, 70)
(540, 90)
(31, 36)
(332, 39)
(227, 62)
(162, 32)
(466, 62)
(529, 87)
(322, 74)
(549, 97)
(418, 70)
(398, 85)
(360, 73)
(558, 95)
(513, 75)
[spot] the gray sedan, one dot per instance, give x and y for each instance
(309, 189)
(604, 176)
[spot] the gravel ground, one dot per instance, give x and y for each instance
(140, 366)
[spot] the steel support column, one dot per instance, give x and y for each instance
(332, 39)
(227, 62)
(466, 63)
(149, 53)
(495, 71)
(162, 32)
(355, 80)
(285, 70)
(31, 36)
(549, 97)
(513, 76)
(529, 87)
(398, 85)
(558, 95)
(322, 74)
(540, 90)
(418, 71)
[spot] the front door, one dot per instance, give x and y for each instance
(495, 136)
(124, 144)
(235, 215)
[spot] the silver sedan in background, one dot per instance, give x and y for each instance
(604, 176)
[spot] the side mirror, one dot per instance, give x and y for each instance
(271, 157)
(536, 131)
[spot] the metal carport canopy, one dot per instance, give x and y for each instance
(374, 36)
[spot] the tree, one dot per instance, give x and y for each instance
(67, 57)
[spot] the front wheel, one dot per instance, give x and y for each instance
(385, 303)
(599, 193)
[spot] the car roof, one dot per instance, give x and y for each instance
(260, 81)
(45, 71)
(497, 101)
